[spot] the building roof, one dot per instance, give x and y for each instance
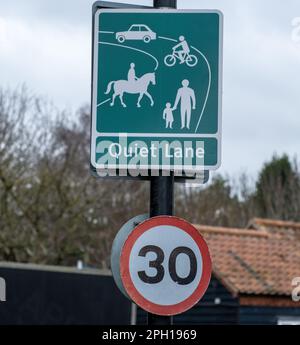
(260, 260)
(56, 269)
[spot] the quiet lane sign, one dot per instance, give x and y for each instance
(165, 265)
(156, 90)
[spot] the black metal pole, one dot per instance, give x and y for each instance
(165, 3)
(162, 191)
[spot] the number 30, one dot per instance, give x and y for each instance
(157, 264)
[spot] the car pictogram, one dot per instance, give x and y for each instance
(138, 32)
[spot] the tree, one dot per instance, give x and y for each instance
(214, 204)
(52, 210)
(278, 190)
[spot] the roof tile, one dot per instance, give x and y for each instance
(262, 260)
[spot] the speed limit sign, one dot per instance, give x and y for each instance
(165, 265)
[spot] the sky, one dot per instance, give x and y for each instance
(46, 44)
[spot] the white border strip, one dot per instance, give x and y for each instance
(218, 136)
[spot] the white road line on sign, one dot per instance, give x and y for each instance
(157, 64)
(127, 47)
(208, 89)
(167, 39)
(98, 105)
(106, 32)
(160, 135)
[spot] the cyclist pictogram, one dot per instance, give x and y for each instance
(181, 52)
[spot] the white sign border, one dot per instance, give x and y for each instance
(94, 137)
(198, 293)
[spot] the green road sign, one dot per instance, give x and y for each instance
(157, 90)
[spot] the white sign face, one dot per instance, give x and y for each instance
(165, 265)
(180, 262)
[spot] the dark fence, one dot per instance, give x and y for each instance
(43, 295)
(51, 296)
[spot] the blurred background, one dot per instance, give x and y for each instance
(52, 212)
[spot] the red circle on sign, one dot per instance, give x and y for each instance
(165, 310)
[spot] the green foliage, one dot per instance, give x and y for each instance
(216, 204)
(278, 189)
